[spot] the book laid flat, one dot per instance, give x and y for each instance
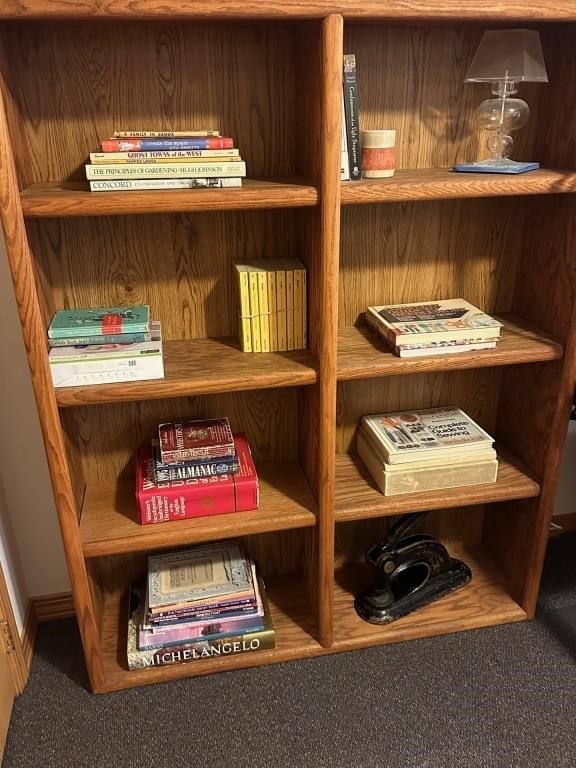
(194, 468)
(202, 572)
(201, 494)
(394, 480)
(165, 156)
(195, 439)
(427, 322)
(120, 185)
(165, 170)
(100, 321)
(431, 433)
(159, 144)
(164, 134)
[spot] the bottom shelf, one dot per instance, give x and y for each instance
(484, 602)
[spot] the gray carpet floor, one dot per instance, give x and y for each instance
(502, 697)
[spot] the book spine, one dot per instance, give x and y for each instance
(172, 502)
(381, 330)
(163, 134)
(184, 454)
(116, 185)
(171, 155)
(173, 171)
(67, 378)
(111, 160)
(153, 145)
(304, 310)
(82, 341)
(298, 308)
(344, 158)
(272, 312)
(254, 312)
(213, 469)
(263, 309)
(230, 646)
(281, 310)
(112, 365)
(352, 117)
(244, 311)
(289, 309)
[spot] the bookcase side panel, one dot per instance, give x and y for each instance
(33, 331)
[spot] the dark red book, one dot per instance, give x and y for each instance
(196, 497)
(199, 439)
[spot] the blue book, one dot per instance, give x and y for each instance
(486, 167)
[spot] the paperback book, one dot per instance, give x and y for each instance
(198, 439)
(166, 170)
(121, 185)
(192, 469)
(101, 321)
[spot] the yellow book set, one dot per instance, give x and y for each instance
(272, 305)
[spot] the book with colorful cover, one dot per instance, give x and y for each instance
(428, 321)
(215, 570)
(195, 468)
(406, 436)
(217, 494)
(108, 350)
(164, 156)
(164, 134)
(195, 439)
(99, 321)
(127, 171)
(120, 338)
(261, 640)
(161, 144)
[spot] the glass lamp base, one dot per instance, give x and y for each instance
(496, 166)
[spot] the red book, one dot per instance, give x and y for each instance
(196, 497)
(153, 145)
(198, 439)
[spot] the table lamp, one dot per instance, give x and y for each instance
(504, 58)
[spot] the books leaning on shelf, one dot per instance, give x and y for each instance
(195, 488)
(272, 305)
(144, 160)
(203, 602)
(426, 450)
(104, 345)
(447, 326)
(351, 151)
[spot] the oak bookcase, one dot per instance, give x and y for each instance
(269, 74)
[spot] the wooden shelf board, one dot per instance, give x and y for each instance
(109, 521)
(484, 602)
(75, 199)
(393, 10)
(362, 354)
(358, 497)
(203, 366)
(293, 624)
(445, 184)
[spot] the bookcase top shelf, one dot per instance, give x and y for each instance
(445, 184)
(362, 354)
(433, 10)
(75, 199)
(108, 524)
(200, 367)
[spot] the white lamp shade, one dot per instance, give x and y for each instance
(508, 54)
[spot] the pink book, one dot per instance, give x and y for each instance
(196, 497)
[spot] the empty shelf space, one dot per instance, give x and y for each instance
(358, 497)
(203, 366)
(445, 184)
(363, 354)
(75, 199)
(109, 522)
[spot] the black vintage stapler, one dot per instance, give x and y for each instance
(411, 571)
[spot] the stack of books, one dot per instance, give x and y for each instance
(198, 603)
(133, 160)
(272, 311)
(104, 345)
(426, 450)
(440, 327)
(195, 469)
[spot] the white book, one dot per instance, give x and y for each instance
(406, 436)
(443, 349)
(125, 185)
(169, 171)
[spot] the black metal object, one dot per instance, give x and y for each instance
(411, 571)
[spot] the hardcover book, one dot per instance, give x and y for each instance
(205, 571)
(165, 171)
(163, 156)
(195, 468)
(126, 185)
(163, 134)
(198, 649)
(198, 439)
(410, 478)
(217, 494)
(160, 144)
(101, 321)
(434, 432)
(425, 322)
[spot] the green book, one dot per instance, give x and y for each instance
(100, 321)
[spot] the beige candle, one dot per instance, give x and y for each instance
(378, 153)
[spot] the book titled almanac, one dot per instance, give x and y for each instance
(202, 496)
